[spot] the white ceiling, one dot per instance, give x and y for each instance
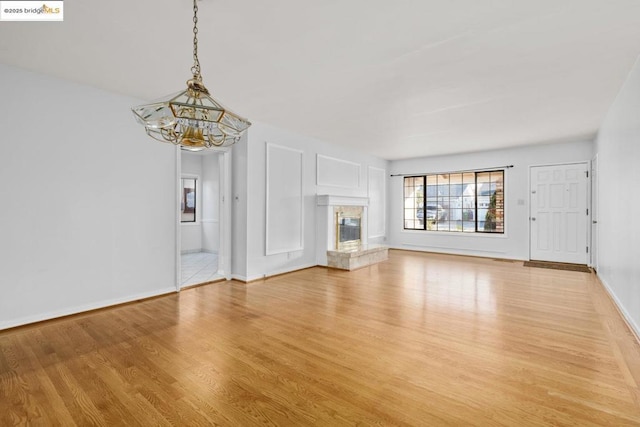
(398, 79)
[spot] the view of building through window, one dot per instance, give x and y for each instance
(462, 201)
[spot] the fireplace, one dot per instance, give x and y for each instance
(342, 234)
(348, 225)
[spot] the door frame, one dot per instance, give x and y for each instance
(593, 213)
(176, 209)
(225, 222)
(226, 219)
(587, 206)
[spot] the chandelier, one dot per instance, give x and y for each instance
(191, 118)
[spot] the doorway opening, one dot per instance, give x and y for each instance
(595, 188)
(201, 247)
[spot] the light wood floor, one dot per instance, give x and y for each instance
(420, 340)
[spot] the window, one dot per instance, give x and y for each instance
(188, 203)
(469, 202)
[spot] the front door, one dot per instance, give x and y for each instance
(559, 213)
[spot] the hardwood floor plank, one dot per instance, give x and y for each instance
(421, 339)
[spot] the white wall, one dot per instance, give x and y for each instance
(514, 244)
(239, 191)
(258, 263)
(211, 202)
(191, 232)
(87, 217)
(618, 149)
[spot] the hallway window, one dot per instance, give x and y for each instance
(188, 203)
(467, 202)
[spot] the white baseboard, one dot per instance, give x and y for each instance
(82, 308)
(272, 273)
(449, 251)
(190, 251)
(288, 270)
(625, 314)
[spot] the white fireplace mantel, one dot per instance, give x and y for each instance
(329, 200)
(325, 228)
(326, 251)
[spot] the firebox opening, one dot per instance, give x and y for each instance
(348, 227)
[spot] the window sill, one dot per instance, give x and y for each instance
(456, 234)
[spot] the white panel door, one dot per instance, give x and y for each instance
(559, 213)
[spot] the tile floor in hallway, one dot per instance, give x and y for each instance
(198, 267)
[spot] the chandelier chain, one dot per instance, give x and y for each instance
(192, 119)
(196, 62)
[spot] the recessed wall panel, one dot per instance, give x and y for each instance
(376, 194)
(334, 172)
(284, 200)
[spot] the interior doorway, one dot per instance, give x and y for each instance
(201, 252)
(559, 213)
